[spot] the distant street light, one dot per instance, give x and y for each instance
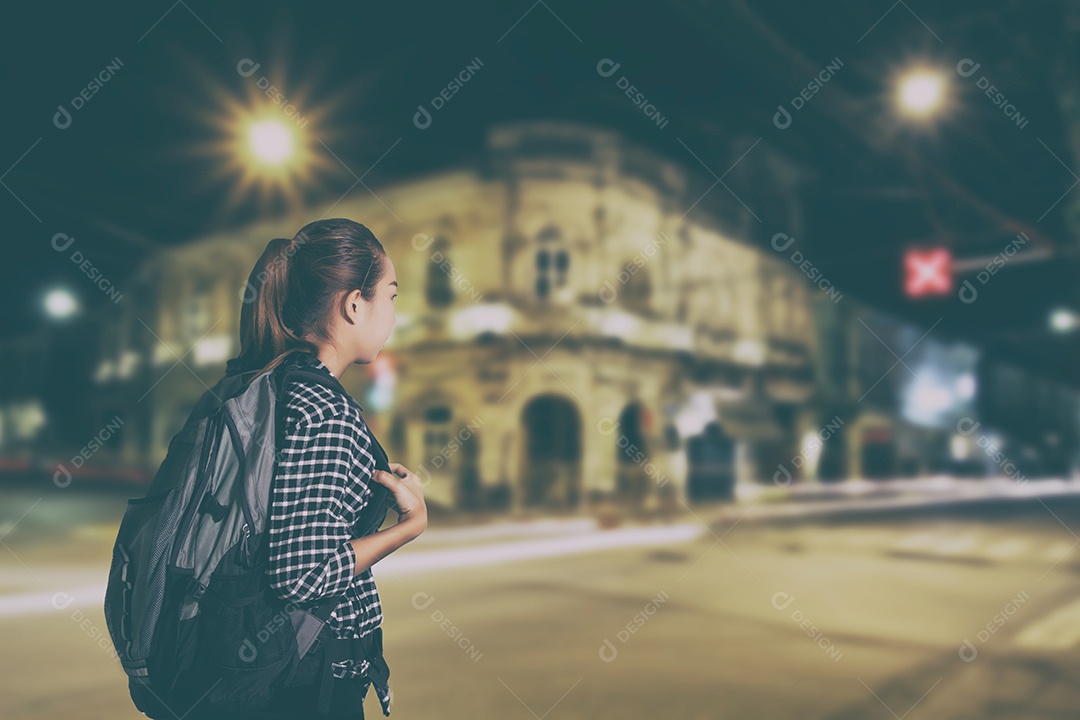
(921, 93)
(60, 304)
(270, 153)
(271, 141)
(1063, 320)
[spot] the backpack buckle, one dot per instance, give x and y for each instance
(210, 506)
(197, 590)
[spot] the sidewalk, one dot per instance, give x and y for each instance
(455, 540)
(765, 502)
(754, 502)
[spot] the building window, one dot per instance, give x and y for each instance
(782, 307)
(436, 431)
(552, 263)
(398, 436)
(440, 293)
(637, 291)
(198, 308)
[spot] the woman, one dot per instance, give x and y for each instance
(324, 299)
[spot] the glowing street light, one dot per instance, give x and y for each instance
(60, 304)
(271, 142)
(921, 93)
(271, 139)
(1063, 320)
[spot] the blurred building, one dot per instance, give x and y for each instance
(573, 327)
(912, 390)
(1031, 421)
(913, 404)
(563, 328)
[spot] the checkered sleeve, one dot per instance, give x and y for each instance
(320, 488)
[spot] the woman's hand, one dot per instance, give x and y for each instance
(408, 495)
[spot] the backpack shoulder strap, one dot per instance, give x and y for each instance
(293, 372)
(325, 606)
(374, 513)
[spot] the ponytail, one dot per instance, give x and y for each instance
(265, 339)
(292, 288)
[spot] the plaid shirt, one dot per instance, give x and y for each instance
(322, 480)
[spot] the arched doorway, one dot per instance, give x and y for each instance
(551, 453)
(631, 480)
(878, 452)
(832, 467)
(711, 461)
(468, 487)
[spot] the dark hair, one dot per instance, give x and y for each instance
(297, 283)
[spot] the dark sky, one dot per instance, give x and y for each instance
(127, 176)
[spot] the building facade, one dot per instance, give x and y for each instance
(575, 327)
(568, 320)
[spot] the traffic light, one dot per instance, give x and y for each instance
(928, 272)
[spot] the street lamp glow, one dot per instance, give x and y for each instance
(271, 141)
(921, 93)
(60, 304)
(1062, 320)
(273, 148)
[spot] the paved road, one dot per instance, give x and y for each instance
(969, 612)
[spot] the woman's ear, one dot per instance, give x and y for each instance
(355, 306)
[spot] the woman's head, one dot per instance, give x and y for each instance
(331, 284)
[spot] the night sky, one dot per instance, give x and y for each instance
(131, 174)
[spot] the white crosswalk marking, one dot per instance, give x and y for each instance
(1007, 548)
(1058, 630)
(1058, 551)
(959, 545)
(919, 541)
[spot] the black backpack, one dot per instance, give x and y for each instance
(187, 604)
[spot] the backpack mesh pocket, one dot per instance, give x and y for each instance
(255, 634)
(248, 648)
